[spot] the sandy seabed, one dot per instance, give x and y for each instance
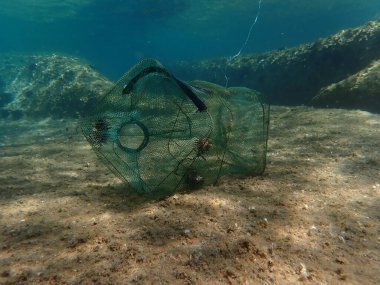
(312, 218)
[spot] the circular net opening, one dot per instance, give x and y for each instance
(132, 137)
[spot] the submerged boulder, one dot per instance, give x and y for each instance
(49, 85)
(358, 91)
(294, 76)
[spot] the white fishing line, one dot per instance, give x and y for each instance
(253, 24)
(250, 31)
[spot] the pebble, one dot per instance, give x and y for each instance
(313, 229)
(5, 273)
(303, 272)
(252, 209)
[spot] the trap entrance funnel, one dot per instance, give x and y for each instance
(160, 134)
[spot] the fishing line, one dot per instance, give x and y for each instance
(253, 24)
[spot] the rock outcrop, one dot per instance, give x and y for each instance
(358, 91)
(48, 85)
(339, 71)
(294, 76)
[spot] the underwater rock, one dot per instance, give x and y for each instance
(294, 76)
(358, 91)
(50, 85)
(5, 97)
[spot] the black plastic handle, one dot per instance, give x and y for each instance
(185, 88)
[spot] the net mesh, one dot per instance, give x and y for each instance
(160, 134)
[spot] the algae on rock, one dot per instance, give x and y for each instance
(53, 85)
(294, 76)
(358, 91)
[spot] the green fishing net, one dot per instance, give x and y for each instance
(160, 134)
